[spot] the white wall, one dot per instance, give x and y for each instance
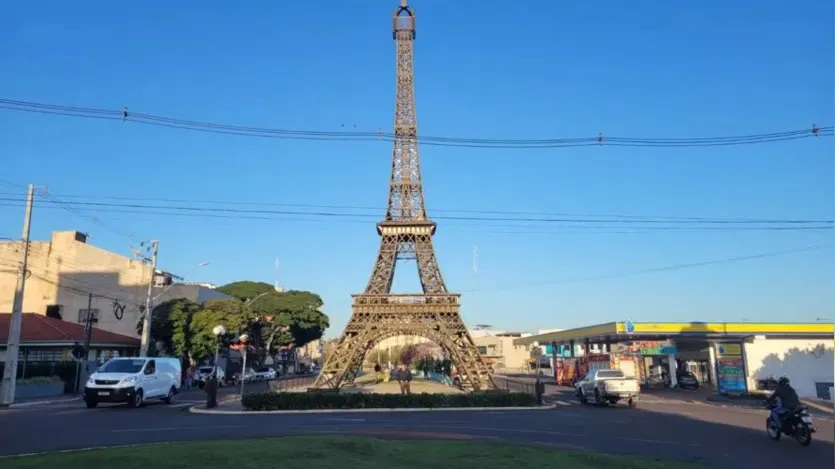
(795, 359)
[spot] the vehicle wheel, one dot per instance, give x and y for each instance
(803, 435)
(773, 429)
(91, 404)
(598, 400)
(583, 399)
(137, 400)
(170, 397)
(633, 403)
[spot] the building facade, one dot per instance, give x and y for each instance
(498, 347)
(63, 272)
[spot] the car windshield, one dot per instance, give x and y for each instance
(122, 366)
(263, 370)
(204, 370)
(610, 374)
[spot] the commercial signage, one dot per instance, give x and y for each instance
(730, 368)
(730, 372)
(650, 348)
(726, 350)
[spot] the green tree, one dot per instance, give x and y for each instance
(280, 318)
(171, 328)
(235, 317)
(245, 290)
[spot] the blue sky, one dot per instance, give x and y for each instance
(533, 69)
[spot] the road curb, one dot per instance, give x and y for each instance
(197, 410)
(23, 405)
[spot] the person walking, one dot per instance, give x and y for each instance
(189, 377)
(405, 378)
(395, 374)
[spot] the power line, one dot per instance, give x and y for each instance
(75, 212)
(667, 268)
(598, 140)
(380, 209)
(225, 212)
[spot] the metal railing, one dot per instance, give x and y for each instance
(512, 385)
(292, 383)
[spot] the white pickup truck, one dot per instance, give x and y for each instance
(603, 387)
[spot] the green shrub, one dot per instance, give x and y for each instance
(330, 400)
(40, 380)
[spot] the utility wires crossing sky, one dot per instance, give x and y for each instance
(601, 139)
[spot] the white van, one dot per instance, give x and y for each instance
(134, 380)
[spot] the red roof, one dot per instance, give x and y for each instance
(40, 328)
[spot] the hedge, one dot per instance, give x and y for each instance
(319, 400)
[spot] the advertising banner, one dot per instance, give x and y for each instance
(730, 373)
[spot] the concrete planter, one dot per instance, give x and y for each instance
(39, 390)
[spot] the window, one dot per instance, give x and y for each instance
(82, 315)
(123, 366)
(46, 355)
(105, 355)
(610, 374)
(482, 350)
(151, 367)
(53, 311)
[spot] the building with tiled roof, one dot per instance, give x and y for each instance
(45, 339)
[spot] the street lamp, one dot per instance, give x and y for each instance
(218, 332)
(211, 389)
(243, 338)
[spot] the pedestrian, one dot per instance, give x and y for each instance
(189, 377)
(395, 375)
(405, 376)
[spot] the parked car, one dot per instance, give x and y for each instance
(134, 380)
(203, 373)
(249, 376)
(608, 387)
(265, 374)
(687, 380)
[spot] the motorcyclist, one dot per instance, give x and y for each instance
(788, 399)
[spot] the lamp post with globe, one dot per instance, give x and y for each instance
(243, 338)
(211, 389)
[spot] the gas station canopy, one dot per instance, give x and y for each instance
(614, 332)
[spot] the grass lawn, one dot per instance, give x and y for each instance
(332, 452)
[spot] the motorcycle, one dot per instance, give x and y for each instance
(797, 425)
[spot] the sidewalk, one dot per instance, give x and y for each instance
(815, 405)
(43, 401)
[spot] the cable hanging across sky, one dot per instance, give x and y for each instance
(523, 221)
(125, 115)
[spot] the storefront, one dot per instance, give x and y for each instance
(734, 358)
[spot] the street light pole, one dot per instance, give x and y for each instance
(243, 338)
(211, 386)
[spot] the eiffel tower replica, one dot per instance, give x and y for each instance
(406, 233)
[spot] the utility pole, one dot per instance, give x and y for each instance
(7, 387)
(88, 327)
(146, 322)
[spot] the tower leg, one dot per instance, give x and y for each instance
(428, 269)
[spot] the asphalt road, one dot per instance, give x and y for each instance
(672, 429)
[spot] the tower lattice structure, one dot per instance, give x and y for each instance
(405, 233)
